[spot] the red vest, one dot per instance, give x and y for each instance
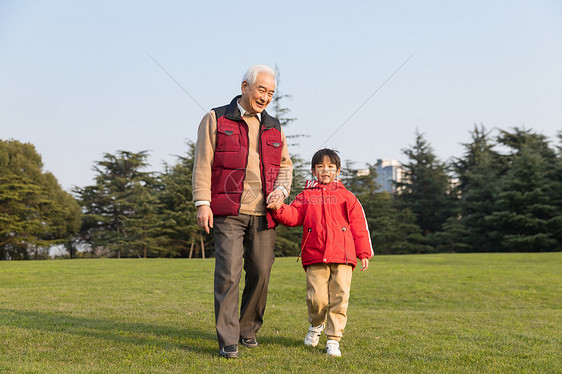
(231, 158)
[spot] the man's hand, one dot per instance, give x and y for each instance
(205, 217)
(274, 200)
(365, 263)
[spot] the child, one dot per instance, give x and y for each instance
(335, 234)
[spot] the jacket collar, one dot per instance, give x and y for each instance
(315, 184)
(233, 113)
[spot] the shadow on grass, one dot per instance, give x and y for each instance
(163, 337)
(280, 340)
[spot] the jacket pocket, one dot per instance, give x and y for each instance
(349, 256)
(228, 139)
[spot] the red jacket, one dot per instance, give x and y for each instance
(334, 224)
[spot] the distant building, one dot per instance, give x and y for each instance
(363, 172)
(388, 172)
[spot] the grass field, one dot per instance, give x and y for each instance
(449, 313)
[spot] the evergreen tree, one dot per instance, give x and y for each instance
(288, 239)
(556, 196)
(279, 111)
(143, 227)
(525, 215)
(393, 231)
(478, 172)
(178, 228)
(119, 210)
(519, 138)
(453, 237)
(425, 189)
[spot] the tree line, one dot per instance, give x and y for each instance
(503, 194)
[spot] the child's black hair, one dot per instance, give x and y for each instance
(325, 152)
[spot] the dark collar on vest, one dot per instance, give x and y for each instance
(233, 113)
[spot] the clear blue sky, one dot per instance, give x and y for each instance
(76, 78)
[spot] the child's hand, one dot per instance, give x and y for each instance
(274, 200)
(272, 206)
(365, 263)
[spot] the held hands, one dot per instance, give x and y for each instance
(205, 214)
(364, 263)
(205, 217)
(274, 200)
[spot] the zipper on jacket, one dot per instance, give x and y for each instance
(247, 158)
(343, 229)
(304, 243)
(262, 169)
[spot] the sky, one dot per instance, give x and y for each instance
(79, 79)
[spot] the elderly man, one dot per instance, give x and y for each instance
(241, 165)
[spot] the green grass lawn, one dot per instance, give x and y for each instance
(447, 313)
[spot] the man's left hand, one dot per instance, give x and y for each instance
(274, 200)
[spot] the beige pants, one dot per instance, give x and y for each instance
(327, 296)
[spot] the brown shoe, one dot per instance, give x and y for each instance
(229, 351)
(249, 342)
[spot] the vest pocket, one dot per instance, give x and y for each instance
(275, 149)
(228, 139)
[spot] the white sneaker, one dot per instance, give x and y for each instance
(313, 335)
(333, 348)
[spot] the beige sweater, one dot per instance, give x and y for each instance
(253, 201)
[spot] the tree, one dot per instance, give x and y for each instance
(426, 188)
(525, 215)
(556, 195)
(478, 172)
(35, 213)
(393, 231)
(288, 239)
(453, 237)
(119, 210)
(178, 229)
(143, 226)
(280, 112)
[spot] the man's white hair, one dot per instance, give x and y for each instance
(252, 74)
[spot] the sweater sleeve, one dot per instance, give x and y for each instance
(360, 230)
(285, 175)
(292, 215)
(204, 157)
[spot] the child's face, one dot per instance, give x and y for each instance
(326, 171)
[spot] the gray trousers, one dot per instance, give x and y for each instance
(241, 241)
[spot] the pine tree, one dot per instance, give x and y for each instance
(556, 196)
(453, 237)
(425, 189)
(279, 111)
(288, 239)
(119, 209)
(525, 215)
(393, 231)
(478, 172)
(179, 230)
(143, 226)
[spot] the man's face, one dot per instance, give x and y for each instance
(257, 97)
